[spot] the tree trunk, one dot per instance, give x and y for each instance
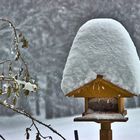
(37, 105)
(48, 103)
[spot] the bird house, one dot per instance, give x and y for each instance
(102, 67)
(102, 98)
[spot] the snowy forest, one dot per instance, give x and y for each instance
(50, 27)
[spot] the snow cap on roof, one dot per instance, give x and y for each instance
(104, 47)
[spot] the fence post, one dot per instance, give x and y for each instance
(76, 135)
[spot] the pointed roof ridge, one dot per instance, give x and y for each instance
(100, 87)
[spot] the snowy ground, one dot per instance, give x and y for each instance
(13, 128)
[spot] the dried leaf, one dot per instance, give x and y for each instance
(15, 87)
(20, 71)
(25, 43)
(14, 100)
(10, 67)
(50, 137)
(17, 94)
(26, 92)
(38, 137)
(2, 75)
(20, 35)
(0, 91)
(17, 56)
(8, 91)
(27, 133)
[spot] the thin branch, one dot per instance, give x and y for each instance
(5, 78)
(16, 44)
(38, 132)
(2, 137)
(22, 112)
(2, 62)
(26, 74)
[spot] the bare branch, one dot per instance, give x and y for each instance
(18, 38)
(2, 137)
(16, 44)
(2, 62)
(38, 132)
(23, 112)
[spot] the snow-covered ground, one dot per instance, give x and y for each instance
(13, 128)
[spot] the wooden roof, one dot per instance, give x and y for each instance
(100, 88)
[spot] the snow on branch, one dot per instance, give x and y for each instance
(13, 82)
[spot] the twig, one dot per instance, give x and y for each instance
(38, 132)
(22, 112)
(2, 137)
(16, 44)
(6, 78)
(5, 61)
(26, 75)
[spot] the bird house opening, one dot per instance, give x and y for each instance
(103, 104)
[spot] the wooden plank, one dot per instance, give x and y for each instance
(86, 104)
(79, 119)
(102, 117)
(121, 105)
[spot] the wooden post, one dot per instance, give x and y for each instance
(105, 131)
(86, 104)
(76, 135)
(121, 105)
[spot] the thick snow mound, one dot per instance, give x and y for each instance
(102, 46)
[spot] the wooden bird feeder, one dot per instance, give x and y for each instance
(104, 104)
(100, 61)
